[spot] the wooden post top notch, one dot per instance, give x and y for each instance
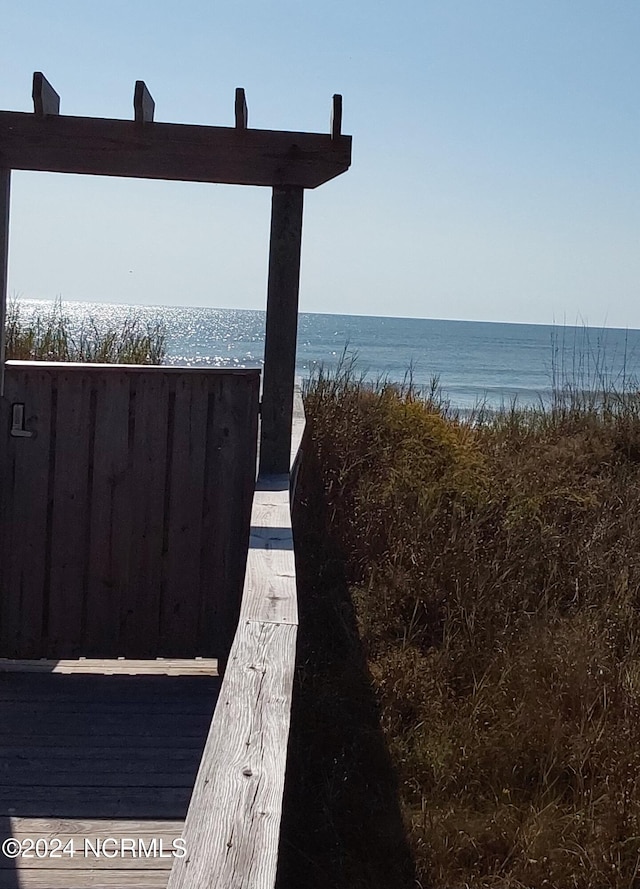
(242, 112)
(336, 117)
(46, 101)
(144, 148)
(143, 104)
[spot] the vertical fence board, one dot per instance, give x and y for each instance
(70, 511)
(242, 453)
(9, 605)
(148, 478)
(22, 579)
(181, 578)
(211, 553)
(229, 483)
(109, 517)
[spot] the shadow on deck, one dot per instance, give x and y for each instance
(88, 757)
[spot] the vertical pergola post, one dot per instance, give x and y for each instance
(281, 329)
(5, 184)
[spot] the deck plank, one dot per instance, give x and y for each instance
(92, 854)
(85, 879)
(52, 827)
(114, 666)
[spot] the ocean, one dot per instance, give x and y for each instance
(475, 362)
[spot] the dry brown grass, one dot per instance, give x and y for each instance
(495, 572)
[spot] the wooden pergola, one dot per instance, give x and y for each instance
(287, 162)
(135, 539)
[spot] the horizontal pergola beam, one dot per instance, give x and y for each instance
(231, 155)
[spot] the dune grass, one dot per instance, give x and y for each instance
(493, 566)
(51, 336)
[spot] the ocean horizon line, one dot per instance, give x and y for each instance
(582, 325)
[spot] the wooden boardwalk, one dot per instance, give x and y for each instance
(88, 758)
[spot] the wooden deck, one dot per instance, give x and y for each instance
(89, 757)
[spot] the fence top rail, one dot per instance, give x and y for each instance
(132, 368)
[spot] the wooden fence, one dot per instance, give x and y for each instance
(125, 501)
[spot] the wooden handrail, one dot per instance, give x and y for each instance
(232, 827)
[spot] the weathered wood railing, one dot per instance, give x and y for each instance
(233, 823)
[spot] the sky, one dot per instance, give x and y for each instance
(495, 155)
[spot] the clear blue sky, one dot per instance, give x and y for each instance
(495, 165)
